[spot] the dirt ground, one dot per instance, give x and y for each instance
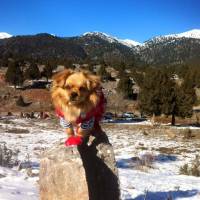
(36, 100)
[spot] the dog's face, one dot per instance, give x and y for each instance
(77, 87)
(74, 88)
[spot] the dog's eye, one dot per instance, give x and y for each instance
(82, 89)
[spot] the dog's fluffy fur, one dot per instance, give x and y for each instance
(75, 92)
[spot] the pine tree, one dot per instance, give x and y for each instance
(121, 69)
(32, 72)
(182, 100)
(103, 73)
(48, 71)
(149, 97)
(187, 98)
(14, 74)
(125, 86)
(68, 63)
(160, 94)
(169, 97)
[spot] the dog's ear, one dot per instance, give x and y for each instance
(60, 78)
(93, 81)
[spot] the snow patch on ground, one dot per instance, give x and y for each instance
(129, 142)
(15, 185)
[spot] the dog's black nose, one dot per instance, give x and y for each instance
(74, 95)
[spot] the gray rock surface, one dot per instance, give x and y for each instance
(80, 173)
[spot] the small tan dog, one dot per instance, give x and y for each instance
(79, 103)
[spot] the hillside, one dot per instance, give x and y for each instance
(170, 51)
(175, 49)
(40, 47)
(99, 46)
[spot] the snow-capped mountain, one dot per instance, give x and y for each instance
(195, 33)
(172, 49)
(130, 43)
(103, 36)
(100, 46)
(163, 50)
(4, 35)
(112, 39)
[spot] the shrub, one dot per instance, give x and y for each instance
(145, 161)
(193, 169)
(145, 133)
(8, 157)
(14, 74)
(187, 134)
(184, 169)
(32, 72)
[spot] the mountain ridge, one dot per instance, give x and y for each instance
(193, 33)
(97, 46)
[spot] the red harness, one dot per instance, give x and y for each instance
(96, 112)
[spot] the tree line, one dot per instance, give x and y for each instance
(17, 73)
(167, 90)
(163, 90)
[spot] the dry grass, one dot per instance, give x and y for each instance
(8, 157)
(187, 134)
(162, 131)
(40, 98)
(7, 121)
(41, 95)
(145, 162)
(167, 120)
(17, 131)
(142, 148)
(192, 169)
(166, 150)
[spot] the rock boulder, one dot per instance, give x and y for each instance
(86, 172)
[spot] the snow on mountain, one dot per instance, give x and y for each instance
(4, 35)
(111, 39)
(130, 43)
(103, 36)
(194, 33)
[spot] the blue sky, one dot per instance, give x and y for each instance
(133, 19)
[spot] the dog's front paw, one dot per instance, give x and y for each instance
(74, 141)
